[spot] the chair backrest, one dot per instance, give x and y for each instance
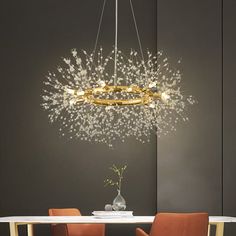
(180, 224)
(75, 229)
(64, 212)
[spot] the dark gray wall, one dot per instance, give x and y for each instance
(196, 165)
(38, 169)
(229, 117)
(189, 161)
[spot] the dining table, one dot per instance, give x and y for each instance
(30, 221)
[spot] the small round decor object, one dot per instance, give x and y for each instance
(108, 207)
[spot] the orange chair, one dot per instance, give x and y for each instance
(178, 224)
(74, 229)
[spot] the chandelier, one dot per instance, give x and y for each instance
(91, 102)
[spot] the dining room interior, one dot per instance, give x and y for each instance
(117, 106)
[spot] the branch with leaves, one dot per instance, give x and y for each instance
(119, 172)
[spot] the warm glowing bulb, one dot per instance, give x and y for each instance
(72, 102)
(80, 93)
(152, 105)
(102, 83)
(108, 108)
(70, 91)
(152, 85)
(165, 97)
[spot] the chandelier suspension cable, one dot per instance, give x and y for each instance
(116, 35)
(99, 27)
(137, 31)
(116, 43)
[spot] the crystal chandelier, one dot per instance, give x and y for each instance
(140, 95)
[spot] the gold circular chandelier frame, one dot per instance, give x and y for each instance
(146, 96)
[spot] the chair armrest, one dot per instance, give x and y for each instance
(140, 232)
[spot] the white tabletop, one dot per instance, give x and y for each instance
(78, 219)
(95, 220)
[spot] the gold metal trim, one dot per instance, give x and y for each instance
(146, 96)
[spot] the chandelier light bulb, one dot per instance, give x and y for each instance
(72, 102)
(80, 93)
(101, 83)
(108, 108)
(152, 105)
(70, 91)
(165, 97)
(152, 85)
